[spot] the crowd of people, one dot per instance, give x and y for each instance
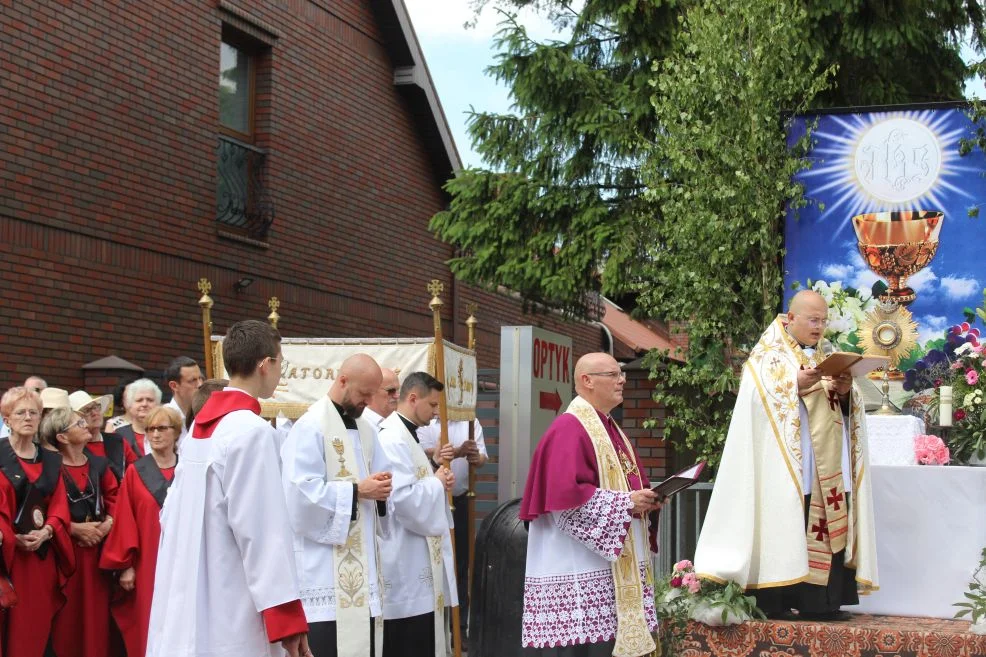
(195, 527)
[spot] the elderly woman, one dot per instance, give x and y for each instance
(109, 446)
(81, 628)
(35, 546)
(139, 399)
(132, 546)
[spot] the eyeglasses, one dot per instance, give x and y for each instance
(90, 409)
(26, 412)
(157, 429)
(611, 375)
(391, 391)
(80, 423)
(817, 322)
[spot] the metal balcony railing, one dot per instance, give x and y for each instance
(243, 201)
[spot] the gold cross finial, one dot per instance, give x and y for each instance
(273, 317)
(435, 288)
(204, 287)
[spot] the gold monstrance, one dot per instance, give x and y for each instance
(888, 330)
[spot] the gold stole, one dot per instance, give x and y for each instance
(422, 470)
(828, 520)
(633, 638)
(352, 589)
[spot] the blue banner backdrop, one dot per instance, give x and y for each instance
(887, 161)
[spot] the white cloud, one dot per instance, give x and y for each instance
(960, 288)
(834, 272)
(923, 281)
(447, 19)
(863, 279)
(931, 327)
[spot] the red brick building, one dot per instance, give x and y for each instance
(146, 145)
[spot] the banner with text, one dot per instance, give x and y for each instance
(310, 366)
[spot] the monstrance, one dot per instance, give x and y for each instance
(888, 330)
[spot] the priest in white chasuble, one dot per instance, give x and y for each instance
(225, 582)
(791, 514)
(418, 568)
(588, 586)
(334, 474)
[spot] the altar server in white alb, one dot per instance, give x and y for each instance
(791, 514)
(334, 474)
(588, 585)
(225, 582)
(418, 569)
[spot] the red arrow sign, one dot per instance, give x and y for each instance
(550, 401)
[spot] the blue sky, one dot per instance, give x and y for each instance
(457, 58)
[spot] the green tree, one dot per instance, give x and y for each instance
(723, 177)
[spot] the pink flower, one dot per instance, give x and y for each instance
(682, 565)
(676, 582)
(930, 450)
(971, 377)
(693, 583)
(958, 415)
(956, 365)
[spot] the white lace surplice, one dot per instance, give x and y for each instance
(568, 589)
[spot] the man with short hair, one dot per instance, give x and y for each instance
(183, 377)
(589, 504)
(415, 546)
(384, 401)
(35, 383)
(791, 514)
(333, 477)
(225, 582)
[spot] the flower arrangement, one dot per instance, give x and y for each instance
(930, 450)
(967, 438)
(684, 596)
(975, 604)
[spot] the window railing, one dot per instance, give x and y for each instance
(243, 201)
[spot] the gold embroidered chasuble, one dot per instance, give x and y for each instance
(352, 594)
(754, 532)
(633, 638)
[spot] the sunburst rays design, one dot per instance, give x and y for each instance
(895, 320)
(887, 161)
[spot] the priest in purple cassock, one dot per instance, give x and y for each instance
(588, 587)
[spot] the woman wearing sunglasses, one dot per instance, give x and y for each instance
(34, 521)
(82, 626)
(132, 546)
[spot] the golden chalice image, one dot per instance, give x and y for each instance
(896, 245)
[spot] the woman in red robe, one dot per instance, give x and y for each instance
(37, 551)
(82, 627)
(132, 546)
(109, 446)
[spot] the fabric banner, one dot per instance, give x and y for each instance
(310, 366)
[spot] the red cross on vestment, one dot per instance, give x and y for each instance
(833, 399)
(821, 529)
(834, 498)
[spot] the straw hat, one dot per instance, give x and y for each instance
(80, 399)
(55, 398)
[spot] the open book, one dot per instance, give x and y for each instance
(858, 365)
(679, 481)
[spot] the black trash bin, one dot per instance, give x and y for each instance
(497, 601)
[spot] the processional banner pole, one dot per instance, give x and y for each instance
(205, 303)
(435, 288)
(471, 322)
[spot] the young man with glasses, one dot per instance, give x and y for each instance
(791, 515)
(225, 582)
(592, 528)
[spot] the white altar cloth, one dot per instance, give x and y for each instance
(891, 438)
(930, 531)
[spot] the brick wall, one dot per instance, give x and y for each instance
(639, 406)
(108, 132)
